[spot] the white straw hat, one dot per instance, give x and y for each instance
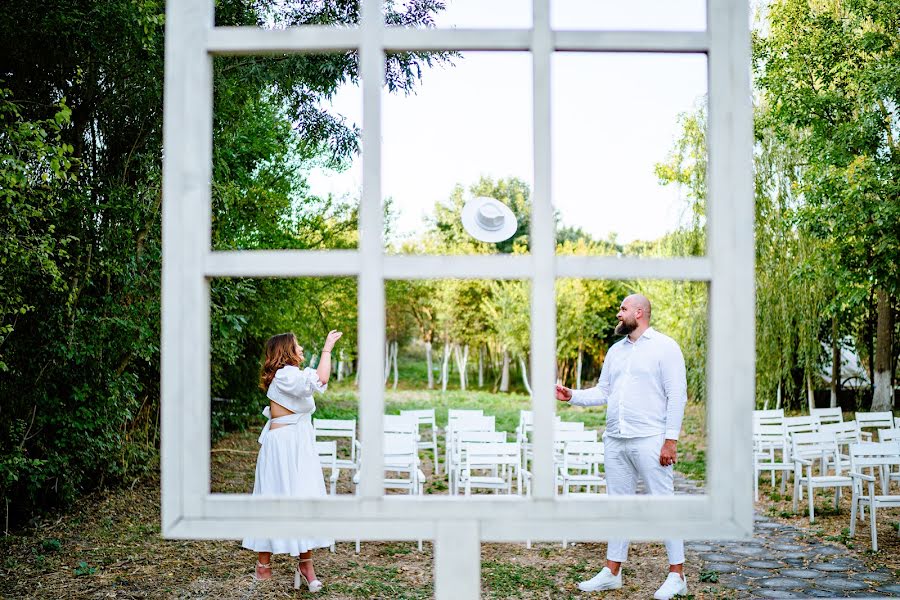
(488, 220)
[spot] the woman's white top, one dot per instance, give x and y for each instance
(293, 388)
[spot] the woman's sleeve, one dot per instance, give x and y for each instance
(313, 382)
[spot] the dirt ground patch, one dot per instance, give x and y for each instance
(109, 546)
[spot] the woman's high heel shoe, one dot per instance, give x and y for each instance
(314, 586)
(259, 566)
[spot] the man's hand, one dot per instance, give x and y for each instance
(668, 454)
(563, 393)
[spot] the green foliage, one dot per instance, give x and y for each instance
(80, 231)
(709, 577)
(84, 569)
(827, 78)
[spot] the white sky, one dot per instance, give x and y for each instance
(614, 117)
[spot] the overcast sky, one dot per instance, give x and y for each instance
(614, 116)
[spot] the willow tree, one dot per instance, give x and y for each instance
(828, 70)
(790, 305)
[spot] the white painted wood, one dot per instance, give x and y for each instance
(543, 254)
(457, 560)
(399, 39)
(282, 263)
(731, 370)
(494, 530)
(371, 248)
(172, 451)
(187, 508)
(187, 203)
(313, 263)
(256, 40)
(485, 266)
(631, 41)
(429, 507)
(633, 267)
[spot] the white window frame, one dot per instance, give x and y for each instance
(457, 525)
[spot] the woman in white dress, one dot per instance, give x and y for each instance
(287, 464)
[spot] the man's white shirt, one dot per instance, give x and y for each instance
(645, 386)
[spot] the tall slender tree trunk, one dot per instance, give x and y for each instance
(504, 373)
(462, 359)
(387, 361)
(395, 348)
(835, 363)
(778, 397)
(810, 396)
(578, 366)
(481, 365)
(445, 367)
(524, 375)
(339, 374)
(429, 365)
(883, 399)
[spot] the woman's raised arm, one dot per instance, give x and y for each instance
(324, 368)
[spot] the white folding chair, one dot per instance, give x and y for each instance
(583, 467)
(845, 433)
(464, 423)
(880, 455)
(890, 435)
(828, 415)
(802, 424)
(459, 413)
(768, 417)
(426, 417)
(568, 426)
(327, 452)
(339, 429)
(771, 453)
(563, 437)
(806, 450)
(463, 439)
(492, 466)
(873, 420)
(523, 434)
(402, 424)
(401, 467)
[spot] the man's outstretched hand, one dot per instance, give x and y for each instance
(563, 393)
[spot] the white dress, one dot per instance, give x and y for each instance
(287, 464)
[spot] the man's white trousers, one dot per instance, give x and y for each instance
(627, 459)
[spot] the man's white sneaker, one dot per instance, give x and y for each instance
(604, 580)
(671, 587)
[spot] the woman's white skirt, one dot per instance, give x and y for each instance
(288, 465)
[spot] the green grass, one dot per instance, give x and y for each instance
(343, 404)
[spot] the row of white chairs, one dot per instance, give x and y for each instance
(477, 456)
(827, 416)
(824, 451)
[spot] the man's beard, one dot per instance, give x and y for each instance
(626, 327)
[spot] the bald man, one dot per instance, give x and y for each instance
(644, 384)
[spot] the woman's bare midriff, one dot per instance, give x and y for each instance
(277, 410)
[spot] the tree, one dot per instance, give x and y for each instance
(97, 319)
(828, 71)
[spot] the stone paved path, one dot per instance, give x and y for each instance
(781, 561)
